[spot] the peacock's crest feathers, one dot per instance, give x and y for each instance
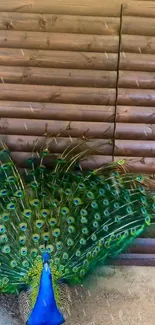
(79, 217)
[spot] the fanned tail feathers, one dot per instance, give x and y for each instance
(82, 217)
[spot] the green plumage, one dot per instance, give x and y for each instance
(82, 217)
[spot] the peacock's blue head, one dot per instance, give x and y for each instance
(45, 311)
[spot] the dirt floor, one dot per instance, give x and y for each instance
(113, 295)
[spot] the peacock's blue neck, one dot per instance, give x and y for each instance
(45, 311)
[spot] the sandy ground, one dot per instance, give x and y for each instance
(113, 295)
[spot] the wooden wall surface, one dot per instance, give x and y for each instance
(79, 68)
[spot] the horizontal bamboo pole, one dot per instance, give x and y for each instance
(95, 161)
(27, 143)
(59, 41)
(55, 94)
(137, 62)
(54, 128)
(133, 260)
(56, 111)
(134, 131)
(138, 26)
(134, 148)
(73, 7)
(135, 114)
(136, 97)
(58, 59)
(138, 44)
(137, 79)
(59, 77)
(139, 164)
(135, 164)
(139, 8)
(143, 246)
(59, 23)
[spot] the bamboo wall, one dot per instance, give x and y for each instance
(79, 69)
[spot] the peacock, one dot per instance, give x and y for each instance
(57, 224)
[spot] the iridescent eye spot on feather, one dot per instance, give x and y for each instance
(153, 205)
(61, 267)
(27, 213)
(65, 256)
(78, 253)
(68, 191)
(34, 252)
(133, 231)
(5, 217)
(35, 238)
(143, 210)
(142, 189)
(6, 249)
(83, 212)
(93, 237)
(70, 242)
(106, 212)
(57, 260)
(121, 162)
(52, 222)
(39, 223)
(85, 230)
(5, 166)
(106, 244)
(56, 232)
(140, 178)
(116, 205)
(118, 236)
(19, 194)
(143, 200)
(23, 226)
(77, 201)
(82, 272)
(54, 203)
(5, 280)
(50, 248)
(44, 194)
(3, 192)
(148, 220)
(85, 263)
(34, 184)
(97, 216)
(70, 220)
(81, 186)
(107, 186)
(105, 228)
(82, 241)
(25, 263)
(94, 205)
(42, 248)
(105, 202)
(22, 240)
(84, 220)
(129, 210)
(11, 179)
(101, 242)
(23, 251)
(13, 263)
(44, 213)
(64, 211)
(45, 236)
(3, 239)
(117, 219)
(59, 245)
(75, 269)
(88, 255)
(101, 191)
(90, 195)
(71, 229)
(95, 224)
(11, 206)
(2, 229)
(35, 203)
